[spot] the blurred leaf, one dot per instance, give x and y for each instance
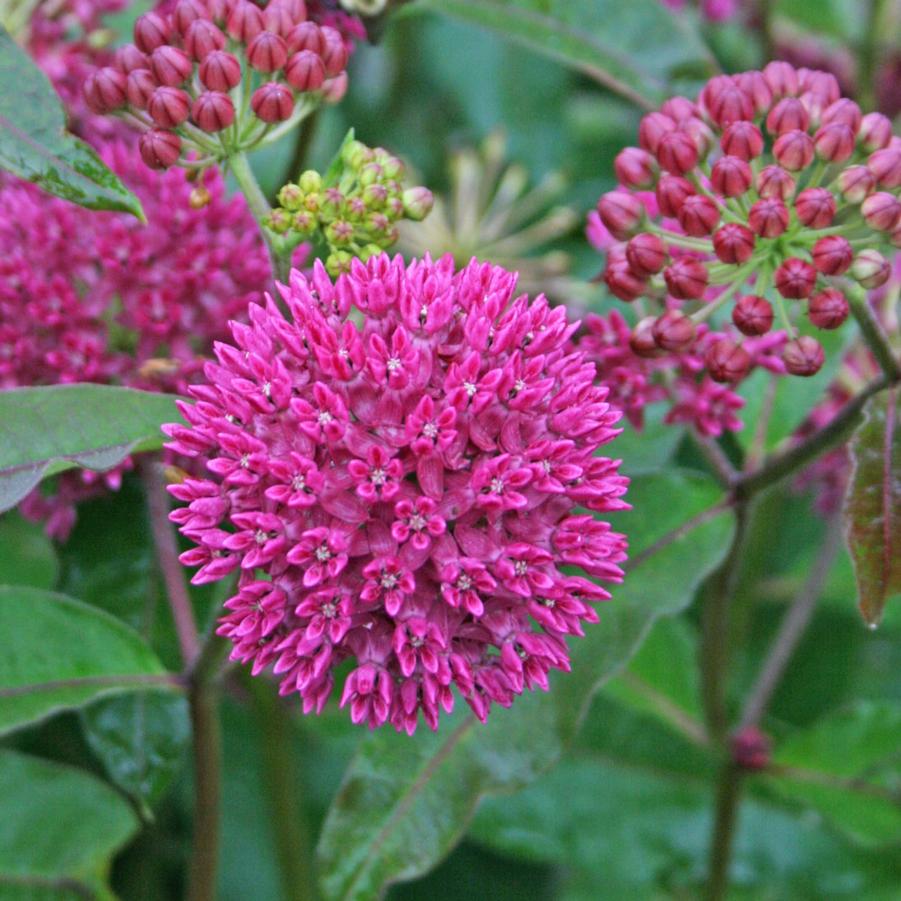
(633, 48)
(873, 504)
(50, 429)
(837, 18)
(28, 556)
(59, 827)
(846, 768)
(34, 144)
(64, 654)
(141, 739)
(405, 801)
(647, 449)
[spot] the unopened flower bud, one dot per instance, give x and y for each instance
(727, 361)
(726, 101)
(731, 176)
(272, 102)
(339, 232)
(635, 168)
(278, 18)
(168, 107)
(875, 132)
(701, 134)
(733, 243)
(304, 223)
(310, 182)
(199, 198)
(795, 278)
(774, 181)
(832, 255)
(699, 215)
(671, 193)
(881, 211)
(646, 254)
(245, 21)
(844, 111)
(782, 78)
(220, 71)
(834, 143)
(621, 213)
(139, 87)
(170, 66)
(305, 36)
(679, 108)
(219, 10)
(677, 152)
(151, 30)
(803, 356)
(870, 269)
(290, 197)
(753, 315)
(334, 51)
(751, 749)
(673, 331)
(278, 221)
(828, 309)
(754, 85)
(768, 218)
(743, 140)
(159, 149)
(304, 71)
(186, 12)
(641, 341)
(622, 281)
(418, 203)
(855, 183)
(129, 58)
(787, 115)
(338, 263)
(267, 52)
(105, 90)
(213, 111)
(202, 38)
(686, 278)
(886, 166)
(334, 89)
(652, 129)
(815, 207)
(794, 150)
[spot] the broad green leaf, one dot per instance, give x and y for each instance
(873, 504)
(840, 19)
(59, 827)
(141, 739)
(634, 48)
(35, 145)
(846, 767)
(649, 448)
(28, 556)
(62, 654)
(406, 801)
(50, 429)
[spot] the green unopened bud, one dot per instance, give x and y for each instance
(338, 262)
(418, 203)
(310, 182)
(378, 225)
(305, 223)
(369, 251)
(393, 168)
(312, 202)
(356, 155)
(374, 196)
(278, 221)
(339, 232)
(291, 197)
(395, 207)
(332, 202)
(370, 174)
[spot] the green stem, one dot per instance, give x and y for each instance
(872, 332)
(728, 799)
(868, 58)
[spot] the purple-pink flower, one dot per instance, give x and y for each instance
(407, 485)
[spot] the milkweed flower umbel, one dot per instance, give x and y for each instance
(404, 473)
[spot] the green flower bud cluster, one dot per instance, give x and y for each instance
(353, 208)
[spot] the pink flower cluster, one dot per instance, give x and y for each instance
(397, 471)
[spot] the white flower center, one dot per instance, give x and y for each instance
(417, 522)
(520, 567)
(325, 417)
(260, 536)
(298, 483)
(389, 580)
(378, 477)
(393, 364)
(430, 430)
(464, 583)
(323, 553)
(470, 388)
(497, 485)
(267, 389)
(244, 461)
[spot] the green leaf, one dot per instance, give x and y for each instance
(28, 556)
(64, 654)
(141, 739)
(336, 166)
(406, 801)
(50, 429)
(634, 48)
(873, 504)
(846, 768)
(59, 827)
(34, 144)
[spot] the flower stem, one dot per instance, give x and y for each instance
(868, 57)
(872, 332)
(728, 799)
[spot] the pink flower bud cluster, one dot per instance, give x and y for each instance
(397, 472)
(100, 297)
(211, 77)
(770, 190)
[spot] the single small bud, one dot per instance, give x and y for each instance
(782, 78)
(845, 111)
(828, 309)
(727, 361)
(875, 132)
(815, 207)
(677, 153)
(334, 51)
(290, 197)
(636, 168)
(733, 243)
(671, 193)
(303, 222)
(803, 356)
(646, 254)
(356, 155)
(753, 315)
(220, 71)
(170, 66)
(339, 233)
(814, 104)
(310, 182)
(822, 85)
(652, 129)
(795, 278)
(886, 166)
(686, 278)
(105, 90)
(787, 115)
(369, 251)
(755, 86)
(699, 215)
(159, 149)
(278, 221)
(168, 107)
(794, 150)
(768, 218)
(199, 198)
(641, 341)
(202, 38)
(731, 176)
(139, 87)
(727, 102)
(621, 213)
(279, 19)
(881, 211)
(213, 111)
(834, 143)
(338, 263)
(245, 21)
(679, 108)
(832, 255)
(743, 140)
(186, 12)
(870, 269)
(622, 281)
(128, 58)
(673, 331)
(304, 71)
(219, 10)
(701, 134)
(267, 52)
(272, 102)
(418, 203)
(751, 749)
(305, 36)
(774, 181)
(855, 183)
(151, 30)
(334, 89)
